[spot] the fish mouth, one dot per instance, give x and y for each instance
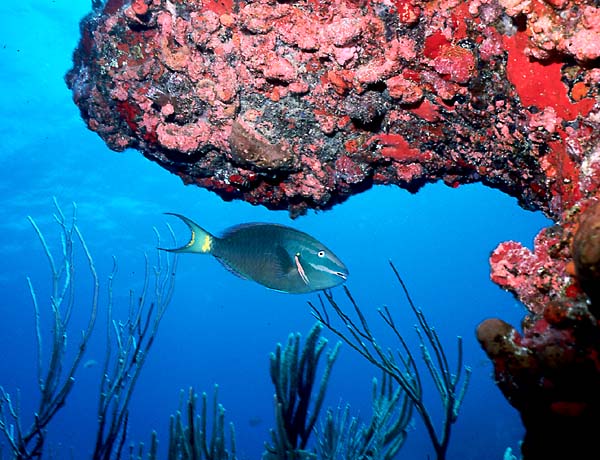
(342, 275)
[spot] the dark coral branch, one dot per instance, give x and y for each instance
(358, 335)
(294, 375)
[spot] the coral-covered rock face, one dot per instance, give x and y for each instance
(569, 28)
(586, 254)
(551, 371)
(551, 374)
(300, 104)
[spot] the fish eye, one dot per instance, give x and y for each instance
(321, 253)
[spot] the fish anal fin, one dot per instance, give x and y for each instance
(230, 268)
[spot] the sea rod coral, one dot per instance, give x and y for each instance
(294, 370)
(57, 363)
(400, 365)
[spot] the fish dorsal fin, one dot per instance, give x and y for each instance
(239, 227)
(283, 263)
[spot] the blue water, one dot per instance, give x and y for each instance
(219, 328)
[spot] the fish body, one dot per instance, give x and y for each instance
(278, 257)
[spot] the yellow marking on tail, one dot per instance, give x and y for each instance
(192, 240)
(207, 245)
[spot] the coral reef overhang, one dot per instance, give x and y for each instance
(298, 105)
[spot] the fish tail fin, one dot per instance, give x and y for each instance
(201, 242)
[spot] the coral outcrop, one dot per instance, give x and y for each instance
(586, 255)
(298, 105)
(551, 371)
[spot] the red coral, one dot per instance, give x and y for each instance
(407, 10)
(454, 62)
(397, 147)
(540, 83)
(140, 7)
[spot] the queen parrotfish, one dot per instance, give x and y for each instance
(276, 256)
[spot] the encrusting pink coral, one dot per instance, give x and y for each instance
(571, 27)
(323, 74)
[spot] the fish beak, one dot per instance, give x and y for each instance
(342, 275)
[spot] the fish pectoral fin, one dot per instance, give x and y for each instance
(283, 264)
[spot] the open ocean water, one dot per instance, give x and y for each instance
(220, 328)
